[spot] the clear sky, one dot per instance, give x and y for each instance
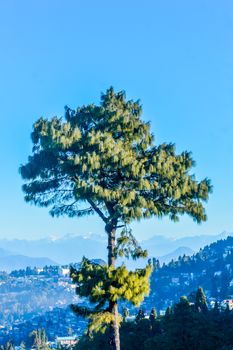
(176, 56)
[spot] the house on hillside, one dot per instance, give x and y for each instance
(66, 341)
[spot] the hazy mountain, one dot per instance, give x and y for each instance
(71, 248)
(4, 252)
(16, 262)
(140, 263)
(64, 250)
(160, 245)
(175, 254)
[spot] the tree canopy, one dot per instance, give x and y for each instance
(103, 159)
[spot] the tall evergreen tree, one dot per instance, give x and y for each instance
(125, 313)
(200, 300)
(102, 159)
(153, 314)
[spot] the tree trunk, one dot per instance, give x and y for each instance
(113, 307)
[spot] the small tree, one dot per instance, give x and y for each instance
(200, 300)
(9, 346)
(168, 312)
(140, 315)
(125, 313)
(102, 159)
(216, 308)
(153, 314)
(70, 331)
(39, 339)
(22, 346)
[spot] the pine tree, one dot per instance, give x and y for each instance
(10, 346)
(102, 159)
(183, 306)
(156, 264)
(216, 310)
(140, 315)
(22, 346)
(168, 312)
(39, 339)
(153, 314)
(200, 300)
(125, 313)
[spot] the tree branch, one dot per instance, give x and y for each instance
(97, 210)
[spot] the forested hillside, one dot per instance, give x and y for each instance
(211, 268)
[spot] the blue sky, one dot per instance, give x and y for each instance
(176, 56)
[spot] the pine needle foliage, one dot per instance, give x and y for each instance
(101, 284)
(104, 156)
(127, 246)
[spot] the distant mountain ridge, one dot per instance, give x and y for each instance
(175, 254)
(9, 263)
(160, 245)
(4, 252)
(10, 260)
(71, 248)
